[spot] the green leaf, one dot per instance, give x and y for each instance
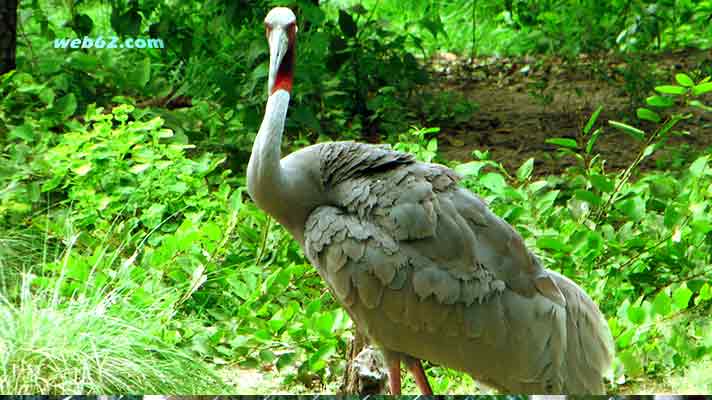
(662, 304)
(553, 243)
(633, 208)
(46, 95)
(630, 130)
(82, 24)
(52, 183)
(23, 132)
(358, 9)
(347, 24)
(592, 120)
(65, 106)
(82, 169)
(84, 62)
(592, 140)
(178, 187)
(563, 142)
(702, 89)
(672, 217)
(153, 215)
(494, 182)
(681, 297)
(313, 307)
(705, 293)
(631, 363)
(670, 89)
(659, 101)
(239, 288)
(602, 183)
(278, 320)
(138, 168)
(433, 25)
(471, 168)
(670, 124)
(286, 360)
(636, 315)
(324, 323)
(684, 80)
(588, 196)
(317, 359)
(128, 23)
(649, 149)
(212, 231)
(141, 74)
(697, 168)
(700, 105)
(311, 13)
(275, 282)
(525, 170)
(648, 115)
(547, 200)
(236, 200)
(537, 186)
(625, 338)
(262, 335)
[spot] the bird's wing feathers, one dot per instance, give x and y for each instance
(402, 241)
(420, 206)
(397, 294)
(361, 262)
(341, 161)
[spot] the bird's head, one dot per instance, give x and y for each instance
(281, 30)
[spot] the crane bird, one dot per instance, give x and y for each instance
(421, 265)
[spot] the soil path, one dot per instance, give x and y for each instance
(523, 102)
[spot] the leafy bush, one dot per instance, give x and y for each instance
(145, 216)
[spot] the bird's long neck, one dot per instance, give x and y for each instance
(265, 178)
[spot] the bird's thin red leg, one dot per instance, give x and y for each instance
(394, 375)
(421, 380)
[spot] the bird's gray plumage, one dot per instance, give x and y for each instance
(423, 267)
(427, 270)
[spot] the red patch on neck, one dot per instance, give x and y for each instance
(283, 81)
(285, 73)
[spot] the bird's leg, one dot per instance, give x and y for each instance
(394, 375)
(393, 360)
(421, 380)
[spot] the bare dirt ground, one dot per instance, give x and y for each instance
(523, 102)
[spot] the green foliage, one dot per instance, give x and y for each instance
(127, 243)
(147, 217)
(415, 142)
(645, 242)
(375, 75)
(354, 75)
(97, 341)
(560, 27)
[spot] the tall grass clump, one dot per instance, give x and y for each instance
(96, 340)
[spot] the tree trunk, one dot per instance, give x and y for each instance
(366, 371)
(8, 35)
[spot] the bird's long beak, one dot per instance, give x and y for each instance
(278, 45)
